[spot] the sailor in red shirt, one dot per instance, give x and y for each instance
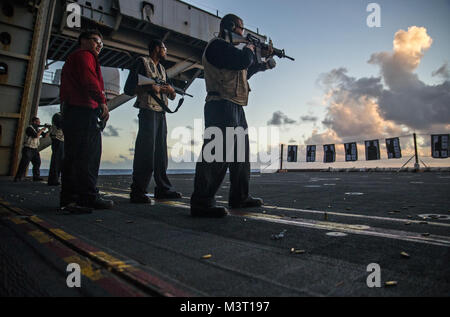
(83, 104)
(82, 81)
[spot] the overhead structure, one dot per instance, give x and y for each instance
(50, 86)
(127, 26)
(25, 30)
(36, 33)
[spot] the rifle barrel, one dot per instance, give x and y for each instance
(182, 92)
(288, 57)
(281, 54)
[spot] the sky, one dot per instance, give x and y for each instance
(349, 81)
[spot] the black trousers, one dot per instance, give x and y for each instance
(82, 153)
(209, 175)
(56, 161)
(150, 153)
(29, 155)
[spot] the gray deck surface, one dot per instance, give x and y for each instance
(378, 212)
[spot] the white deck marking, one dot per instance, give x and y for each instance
(326, 225)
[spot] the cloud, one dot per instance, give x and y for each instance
(309, 118)
(419, 108)
(337, 84)
(124, 158)
(111, 131)
(352, 110)
(327, 137)
(408, 49)
(389, 105)
(408, 100)
(279, 118)
(442, 71)
(121, 161)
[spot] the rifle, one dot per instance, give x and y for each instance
(142, 80)
(259, 45)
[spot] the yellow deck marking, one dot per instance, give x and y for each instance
(40, 236)
(86, 267)
(17, 220)
(36, 219)
(16, 209)
(110, 260)
(172, 203)
(4, 202)
(115, 194)
(62, 234)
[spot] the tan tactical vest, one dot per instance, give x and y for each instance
(30, 142)
(56, 133)
(144, 100)
(225, 84)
